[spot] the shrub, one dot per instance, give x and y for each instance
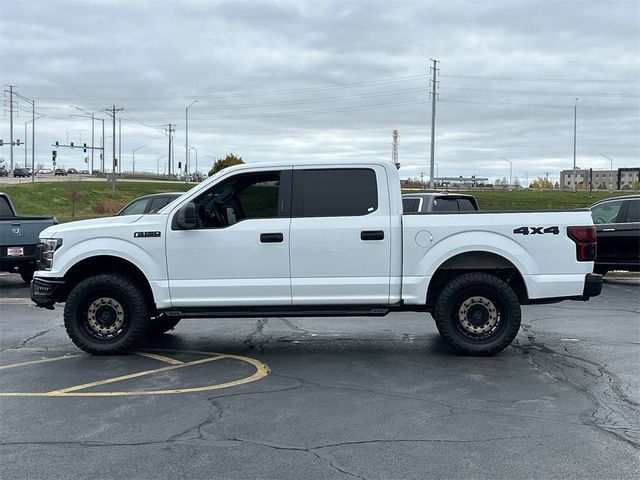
(106, 206)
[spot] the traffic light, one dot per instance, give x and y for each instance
(85, 148)
(18, 142)
(57, 144)
(71, 144)
(179, 165)
(1, 142)
(54, 154)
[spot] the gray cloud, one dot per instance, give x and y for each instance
(290, 79)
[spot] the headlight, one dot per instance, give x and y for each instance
(47, 247)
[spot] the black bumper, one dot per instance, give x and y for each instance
(592, 286)
(46, 292)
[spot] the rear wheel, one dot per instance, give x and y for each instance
(106, 314)
(478, 314)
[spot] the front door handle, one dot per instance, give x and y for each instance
(372, 235)
(608, 229)
(271, 238)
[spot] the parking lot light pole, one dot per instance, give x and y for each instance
(186, 140)
(610, 171)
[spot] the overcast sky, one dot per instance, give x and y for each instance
(319, 79)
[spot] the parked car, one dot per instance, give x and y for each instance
(438, 202)
(4, 172)
(617, 223)
(148, 203)
(19, 239)
(72, 171)
(45, 171)
(60, 172)
(21, 172)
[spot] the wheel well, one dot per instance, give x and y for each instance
(477, 262)
(107, 264)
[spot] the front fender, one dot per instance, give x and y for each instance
(150, 261)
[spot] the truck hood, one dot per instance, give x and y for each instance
(94, 224)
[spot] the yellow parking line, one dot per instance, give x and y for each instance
(162, 358)
(34, 362)
(64, 391)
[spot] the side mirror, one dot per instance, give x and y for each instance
(185, 218)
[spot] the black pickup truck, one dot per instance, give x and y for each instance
(19, 239)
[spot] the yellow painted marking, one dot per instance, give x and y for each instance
(34, 362)
(131, 375)
(262, 371)
(162, 358)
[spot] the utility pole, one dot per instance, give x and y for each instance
(575, 118)
(112, 111)
(434, 84)
(11, 126)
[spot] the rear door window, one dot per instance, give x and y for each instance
(464, 204)
(606, 212)
(334, 192)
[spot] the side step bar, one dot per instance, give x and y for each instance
(295, 311)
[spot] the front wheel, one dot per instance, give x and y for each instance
(478, 314)
(106, 314)
(27, 274)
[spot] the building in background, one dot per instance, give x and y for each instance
(620, 179)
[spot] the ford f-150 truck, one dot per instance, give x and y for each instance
(313, 239)
(19, 239)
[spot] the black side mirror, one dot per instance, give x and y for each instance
(185, 218)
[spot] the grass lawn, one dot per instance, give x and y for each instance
(54, 198)
(535, 200)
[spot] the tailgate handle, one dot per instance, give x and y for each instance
(372, 235)
(271, 238)
(608, 229)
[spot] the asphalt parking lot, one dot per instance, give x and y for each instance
(319, 398)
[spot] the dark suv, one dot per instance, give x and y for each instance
(617, 223)
(21, 172)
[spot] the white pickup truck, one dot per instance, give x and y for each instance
(313, 239)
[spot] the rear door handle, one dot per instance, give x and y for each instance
(271, 238)
(372, 235)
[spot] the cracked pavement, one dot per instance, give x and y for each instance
(364, 398)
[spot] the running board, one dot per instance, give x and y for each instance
(310, 311)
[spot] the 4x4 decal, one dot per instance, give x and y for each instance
(537, 230)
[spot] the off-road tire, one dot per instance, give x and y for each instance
(106, 314)
(161, 324)
(478, 314)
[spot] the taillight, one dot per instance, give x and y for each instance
(586, 242)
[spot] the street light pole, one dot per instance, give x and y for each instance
(575, 118)
(610, 171)
(510, 170)
(186, 141)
